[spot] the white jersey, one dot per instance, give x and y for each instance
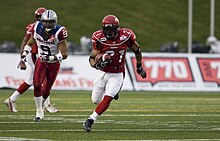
(48, 45)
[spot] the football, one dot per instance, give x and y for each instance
(102, 56)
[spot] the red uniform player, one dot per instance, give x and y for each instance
(114, 41)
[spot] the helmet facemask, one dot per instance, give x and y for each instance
(49, 25)
(49, 20)
(110, 31)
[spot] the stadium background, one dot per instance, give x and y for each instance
(154, 22)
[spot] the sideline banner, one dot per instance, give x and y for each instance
(75, 73)
(165, 72)
(176, 72)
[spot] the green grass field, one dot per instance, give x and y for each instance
(135, 116)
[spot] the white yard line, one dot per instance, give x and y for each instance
(123, 115)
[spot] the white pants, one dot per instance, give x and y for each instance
(106, 84)
(30, 69)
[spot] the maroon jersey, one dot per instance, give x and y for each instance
(28, 35)
(115, 47)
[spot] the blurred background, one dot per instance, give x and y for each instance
(160, 25)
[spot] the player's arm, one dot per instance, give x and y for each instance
(137, 50)
(23, 43)
(22, 64)
(28, 47)
(63, 51)
(93, 54)
(138, 55)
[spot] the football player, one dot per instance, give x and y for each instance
(51, 40)
(114, 41)
(31, 59)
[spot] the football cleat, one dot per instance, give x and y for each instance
(50, 108)
(39, 115)
(11, 105)
(37, 119)
(116, 97)
(87, 125)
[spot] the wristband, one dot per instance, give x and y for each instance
(59, 56)
(27, 48)
(51, 58)
(24, 54)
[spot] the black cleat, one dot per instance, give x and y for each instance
(87, 125)
(116, 97)
(37, 119)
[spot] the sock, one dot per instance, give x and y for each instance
(103, 105)
(94, 116)
(15, 96)
(23, 87)
(47, 101)
(38, 102)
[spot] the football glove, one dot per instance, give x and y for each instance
(140, 70)
(45, 58)
(22, 65)
(102, 64)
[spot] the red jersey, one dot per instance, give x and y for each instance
(115, 47)
(28, 35)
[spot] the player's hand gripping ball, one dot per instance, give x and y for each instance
(102, 60)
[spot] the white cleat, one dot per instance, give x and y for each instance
(39, 115)
(50, 108)
(11, 105)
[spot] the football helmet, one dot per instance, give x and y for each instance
(49, 20)
(110, 26)
(38, 12)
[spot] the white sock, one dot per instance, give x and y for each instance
(38, 102)
(47, 101)
(94, 116)
(15, 96)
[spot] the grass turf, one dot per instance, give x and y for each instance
(135, 116)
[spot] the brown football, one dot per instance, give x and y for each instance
(102, 56)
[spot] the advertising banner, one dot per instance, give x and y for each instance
(176, 72)
(75, 73)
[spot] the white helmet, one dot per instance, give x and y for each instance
(49, 20)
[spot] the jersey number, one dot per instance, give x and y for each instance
(112, 53)
(46, 50)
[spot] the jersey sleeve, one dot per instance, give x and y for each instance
(63, 34)
(132, 39)
(96, 40)
(29, 30)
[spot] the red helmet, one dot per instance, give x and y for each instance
(110, 26)
(38, 12)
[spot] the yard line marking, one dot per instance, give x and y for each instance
(27, 139)
(112, 130)
(123, 115)
(20, 139)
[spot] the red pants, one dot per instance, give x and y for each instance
(44, 76)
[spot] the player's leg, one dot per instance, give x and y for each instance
(10, 102)
(98, 89)
(47, 85)
(46, 102)
(113, 86)
(39, 76)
